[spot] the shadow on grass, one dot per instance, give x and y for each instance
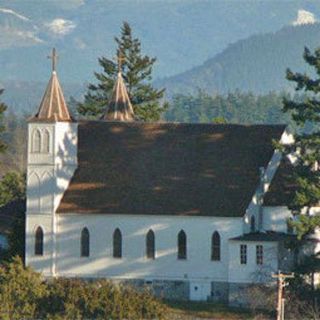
(208, 310)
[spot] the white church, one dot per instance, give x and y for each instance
(195, 211)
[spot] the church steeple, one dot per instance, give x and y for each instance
(120, 107)
(53, 106)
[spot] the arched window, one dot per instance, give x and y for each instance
(150, 245)
(85, 243)
(252, 224)
(36, 141)
(38, 245)
(182, 245)
(117, 244)
(46, 141)
(215, 247)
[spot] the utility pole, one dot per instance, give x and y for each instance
(281, 277)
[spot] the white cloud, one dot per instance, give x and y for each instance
(304, 17)
(60, 27)
(9, 11)
(17, 32)
(12, 37)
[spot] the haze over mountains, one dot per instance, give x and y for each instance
(181, 34)
(257, 64)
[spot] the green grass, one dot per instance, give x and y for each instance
(206, 310)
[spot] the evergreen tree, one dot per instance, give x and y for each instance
(136, 69)
(3, 108)
(306, 148)
(307, 145)
(12, 195)
(12, 187)
(234, 107)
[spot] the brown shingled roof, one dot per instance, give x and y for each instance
(168, 169)
(283, 187)
(53, 106)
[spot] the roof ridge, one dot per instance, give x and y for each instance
(184, 123)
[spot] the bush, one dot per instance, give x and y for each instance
(25, 295)
(261, 298)
(101, 299)
(21, 289)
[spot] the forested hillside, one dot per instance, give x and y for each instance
(236, 107)
(256, 64)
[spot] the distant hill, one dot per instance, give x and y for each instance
(181, 34)
(256, 64)
(25, 96)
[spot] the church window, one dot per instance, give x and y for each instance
(38, 247)
(259, 254)
(215, 247)
(243, 254)
(150, 245)
(46, 141)
(253, 224)
(182, 245)
(85, 243)
(36, 141)
(117, 244)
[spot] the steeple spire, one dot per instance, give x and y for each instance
(120, 107)
(53, 106)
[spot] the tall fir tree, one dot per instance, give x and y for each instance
(3, 108)
(136, 70)
(306, 113)
(306, 150)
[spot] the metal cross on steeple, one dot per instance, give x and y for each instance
(54, 58)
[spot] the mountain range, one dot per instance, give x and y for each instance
(257, 64)
(181, 34)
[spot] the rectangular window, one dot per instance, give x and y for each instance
(243, 254)
(259, 254)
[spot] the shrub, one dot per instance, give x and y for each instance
(101, 299)
(21, 289)
(25, 295)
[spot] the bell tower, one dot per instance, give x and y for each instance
(52, 160)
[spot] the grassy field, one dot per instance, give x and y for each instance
(205, 310)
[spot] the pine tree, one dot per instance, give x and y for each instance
(137, 73)
(12, 187)
(306, 113)
(3, 108)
